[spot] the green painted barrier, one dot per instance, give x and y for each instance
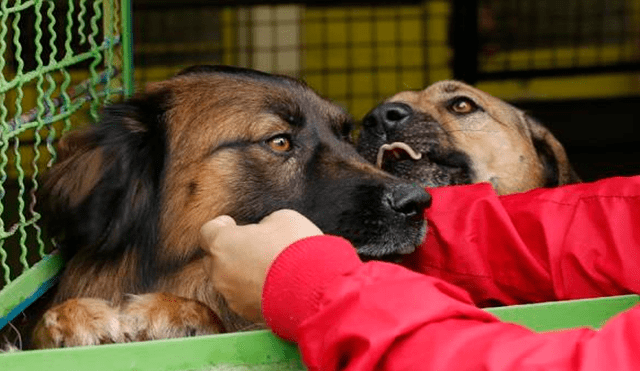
(28, 287)
(261, 350)
(566, 314)
(256, 350)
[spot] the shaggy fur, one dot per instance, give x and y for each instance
(129, 196)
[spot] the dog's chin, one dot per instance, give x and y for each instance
(392, 247)
(391, 258)
(436, 168)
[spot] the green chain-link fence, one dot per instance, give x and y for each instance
(61, 61)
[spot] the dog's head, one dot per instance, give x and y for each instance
(221, 140)
(452, 133)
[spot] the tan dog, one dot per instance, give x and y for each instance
(452, 133)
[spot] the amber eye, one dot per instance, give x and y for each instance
(280, 143)
(463, 105)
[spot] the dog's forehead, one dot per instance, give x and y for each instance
(438, 92)
(256, 89)
(434, 96)
(219, 107)
(251, 93)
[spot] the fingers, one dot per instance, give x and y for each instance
(281, 215)
(210, 230)
(291, 225)
(240, 256)
(212, 226)
(235, 264)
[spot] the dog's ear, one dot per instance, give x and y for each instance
(104, 192)
(558, 169)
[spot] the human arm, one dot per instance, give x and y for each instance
(345, 314)
(570, 242)
(379, 316)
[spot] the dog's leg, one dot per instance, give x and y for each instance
(164, 316)
(77, 322)
(89, 321)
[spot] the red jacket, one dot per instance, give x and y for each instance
(570, 242)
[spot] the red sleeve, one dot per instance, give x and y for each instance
(348, 315)
(576, 241)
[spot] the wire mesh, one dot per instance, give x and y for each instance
(61, 60)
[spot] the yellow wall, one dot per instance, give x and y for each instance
(411, 51)
(382, 46)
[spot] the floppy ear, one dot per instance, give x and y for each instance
(103, 196)
(554, 158)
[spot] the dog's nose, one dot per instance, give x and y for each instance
(388, 116)
(409, 200)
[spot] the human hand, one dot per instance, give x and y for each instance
(241, 255)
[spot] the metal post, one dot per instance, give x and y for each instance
(127, 47)
(465, 40)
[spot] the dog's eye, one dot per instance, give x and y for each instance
(463, 105)
(280, 143)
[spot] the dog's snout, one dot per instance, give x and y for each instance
(409, 200)
(388, 116)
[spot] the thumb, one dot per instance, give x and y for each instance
(210, 230)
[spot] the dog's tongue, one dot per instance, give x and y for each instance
(396, 149)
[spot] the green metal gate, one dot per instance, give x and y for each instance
(61, 60)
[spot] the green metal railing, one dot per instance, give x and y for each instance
(60, 62)
(263, 351)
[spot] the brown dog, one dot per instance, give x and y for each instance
(128, 199)
(452, 133)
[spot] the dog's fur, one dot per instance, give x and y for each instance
(129, 196)
(464, 135)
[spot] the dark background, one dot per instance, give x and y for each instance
(599, 131)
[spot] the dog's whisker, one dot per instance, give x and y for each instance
(10, 346)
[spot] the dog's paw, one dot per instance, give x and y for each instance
(79, 322)
(164, 316)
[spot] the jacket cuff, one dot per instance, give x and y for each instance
(297, 278)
